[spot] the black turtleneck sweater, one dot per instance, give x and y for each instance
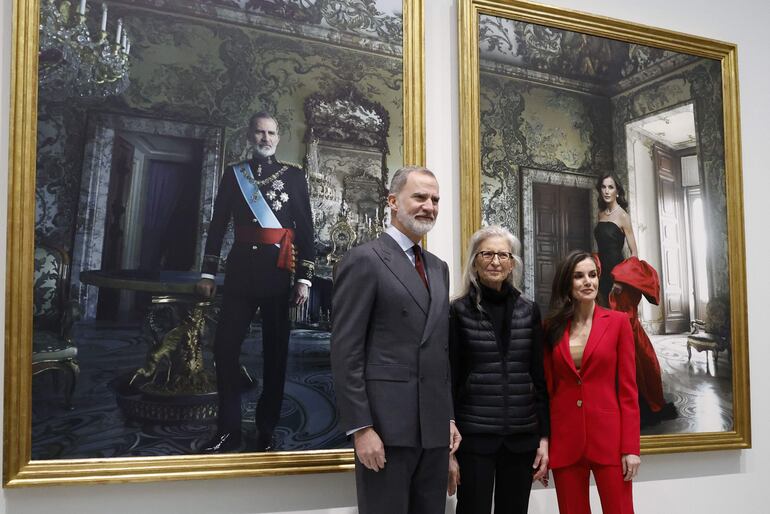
(499, 306)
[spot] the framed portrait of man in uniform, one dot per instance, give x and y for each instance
(184, 177)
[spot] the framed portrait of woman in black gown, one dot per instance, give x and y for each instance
(583, 132)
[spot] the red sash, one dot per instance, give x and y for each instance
(270, 236)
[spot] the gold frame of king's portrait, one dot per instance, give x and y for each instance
(18, 468)
(470, 179)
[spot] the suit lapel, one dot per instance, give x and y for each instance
(563, 349)
(398, 263)
(437, 288)
(599, 326)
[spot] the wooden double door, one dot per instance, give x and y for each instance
(562, 219)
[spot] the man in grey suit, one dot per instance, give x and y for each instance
(389, 355)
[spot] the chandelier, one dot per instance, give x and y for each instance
(71, 62)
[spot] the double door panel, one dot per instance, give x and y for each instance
(562, 216)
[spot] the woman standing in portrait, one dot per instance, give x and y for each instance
(591, 376)
(500, 396)
(612, 231)
(621, 286)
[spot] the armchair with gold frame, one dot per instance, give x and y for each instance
(713, 333)
(54, 314)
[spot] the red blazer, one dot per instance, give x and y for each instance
(594, 411)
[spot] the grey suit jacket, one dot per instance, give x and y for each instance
(389, 345)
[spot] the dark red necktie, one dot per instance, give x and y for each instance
(418, 264)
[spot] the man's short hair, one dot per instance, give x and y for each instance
(400, 176)
(263, 115)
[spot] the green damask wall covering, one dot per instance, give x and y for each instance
(192, 70)
(527, 125)
(524, 125)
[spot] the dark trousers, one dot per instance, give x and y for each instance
(413, 481)
(572, 486)
(479, 472)
(236, 316)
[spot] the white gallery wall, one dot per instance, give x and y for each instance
(711, 482)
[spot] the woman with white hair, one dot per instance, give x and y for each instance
(500, 395)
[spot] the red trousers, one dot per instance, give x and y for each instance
(572, 484)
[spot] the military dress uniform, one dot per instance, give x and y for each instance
(261, 268)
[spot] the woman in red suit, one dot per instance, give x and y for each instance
(591, 377)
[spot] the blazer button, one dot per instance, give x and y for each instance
(580, 403)
(254, 247)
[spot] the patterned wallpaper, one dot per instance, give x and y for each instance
(535, 126)
(193, 70)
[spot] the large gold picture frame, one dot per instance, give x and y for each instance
(19, 469)
(603, 32)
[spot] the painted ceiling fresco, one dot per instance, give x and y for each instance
(604, 65)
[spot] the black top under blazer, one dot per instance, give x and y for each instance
(497, 390)
(389, 345)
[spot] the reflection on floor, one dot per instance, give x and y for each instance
(97, 428)
(702, 394)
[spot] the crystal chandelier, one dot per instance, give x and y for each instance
(71, 63)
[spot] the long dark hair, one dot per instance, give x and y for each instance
(562, 308)
(618, 187)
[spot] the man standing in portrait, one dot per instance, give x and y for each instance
(389, 350)
(269, 267)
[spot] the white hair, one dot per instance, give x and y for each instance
(470, 279)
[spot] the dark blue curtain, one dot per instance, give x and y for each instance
(165, 182)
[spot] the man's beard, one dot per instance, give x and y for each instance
(264, 151)
(415, 226)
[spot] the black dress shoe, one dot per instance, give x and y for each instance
(222, 442)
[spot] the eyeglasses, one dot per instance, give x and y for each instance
(487, 256)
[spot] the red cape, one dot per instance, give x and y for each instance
(638, 278)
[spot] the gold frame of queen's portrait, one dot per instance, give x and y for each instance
(528, 73)
(217, 128)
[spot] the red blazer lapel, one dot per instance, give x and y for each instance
(599, 326)
(563, 349)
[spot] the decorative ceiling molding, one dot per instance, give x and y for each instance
(352, 23)
(571, 60)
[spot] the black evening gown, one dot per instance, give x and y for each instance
(609, 239)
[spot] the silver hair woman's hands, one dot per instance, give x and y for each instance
(540, 466)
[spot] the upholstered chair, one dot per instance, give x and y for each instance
(53, 349)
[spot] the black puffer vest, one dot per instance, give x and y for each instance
(495, 393)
